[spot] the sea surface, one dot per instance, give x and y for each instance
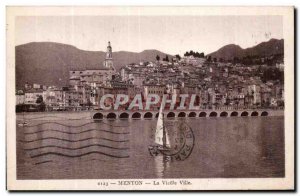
(233, 147)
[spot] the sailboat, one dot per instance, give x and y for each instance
(162, 142)
(24, 123)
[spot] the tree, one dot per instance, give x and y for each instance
(157, 58)
(236, 60)
(195, 54)
(42, 107)
(39, 100)
(167, 58)
(178, 56)
(41, 104)
(272, 73)
(209, 58)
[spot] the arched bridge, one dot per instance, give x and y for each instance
(113, 114)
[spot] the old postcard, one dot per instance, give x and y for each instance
(150, 98)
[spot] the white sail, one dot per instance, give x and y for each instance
(160, 130)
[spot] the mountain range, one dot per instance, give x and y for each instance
(271, 47)
(49, 63)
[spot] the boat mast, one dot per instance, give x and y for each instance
(164, 133)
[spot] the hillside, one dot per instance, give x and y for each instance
(269, 48)
(49, 63)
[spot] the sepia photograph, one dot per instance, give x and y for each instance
(150, 98)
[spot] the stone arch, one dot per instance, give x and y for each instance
(111, 116)
(254, 113)
(234, 113)
(244, 113)
(136, 115)
(124, 115)
(192, 114)
(98, 116)
(171, 115)
(202, 114)
(264, 113)
(224, 114)
(182, 114)
(213, 114)
(148, 115)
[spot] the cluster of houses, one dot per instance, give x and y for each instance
(216, 84)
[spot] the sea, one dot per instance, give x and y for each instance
(231, 147)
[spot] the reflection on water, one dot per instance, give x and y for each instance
(83, 149)
(162, 163)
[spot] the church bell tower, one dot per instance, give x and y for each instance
(108, 59)
(109, 51)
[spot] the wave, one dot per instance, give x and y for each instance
(42, 162)
(43, 117)
(95, 160)
(73, 133)
(68, 148)
(114, 125)
(79, 155)
(66, 140)
(60, 117)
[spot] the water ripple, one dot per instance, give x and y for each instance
(60, 117)
(42, 162)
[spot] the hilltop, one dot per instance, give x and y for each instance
(49, 63)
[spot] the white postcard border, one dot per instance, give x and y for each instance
(198, 183)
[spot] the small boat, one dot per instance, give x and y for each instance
(22, 124)
(161, 141)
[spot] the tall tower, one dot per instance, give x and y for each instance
(108, 62)
(109, 51)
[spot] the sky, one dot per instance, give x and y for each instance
(169, 34)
